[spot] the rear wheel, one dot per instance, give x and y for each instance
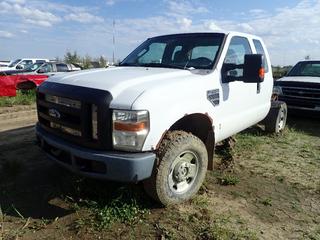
(182, 163)
(276, 120)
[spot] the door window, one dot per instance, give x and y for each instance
(239, 46)
(26, 63)
(46, 68)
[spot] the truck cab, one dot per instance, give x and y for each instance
(157, 117)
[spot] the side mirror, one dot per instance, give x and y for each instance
(253, 70)
(19, 67)
(41, 70)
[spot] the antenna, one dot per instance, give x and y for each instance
(113, 40)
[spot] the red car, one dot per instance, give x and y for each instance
(9, 84)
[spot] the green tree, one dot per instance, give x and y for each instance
(86, 62)
(102, 61)
(70, 57)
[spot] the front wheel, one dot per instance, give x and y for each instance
(182, 164)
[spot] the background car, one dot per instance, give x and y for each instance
(31, 77)
(4, 64)
(49, 68)
(300, 88)
(9, 84)
(23, 63)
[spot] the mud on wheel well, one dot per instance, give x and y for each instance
(199, 125)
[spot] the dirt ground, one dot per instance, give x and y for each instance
(273, 192)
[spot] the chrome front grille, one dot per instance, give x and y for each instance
(75, 114)
(300, 95)
(63, 101)
(61, 115)
(301, 92)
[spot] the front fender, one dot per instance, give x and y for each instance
(164, 114)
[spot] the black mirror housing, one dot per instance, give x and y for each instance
(253, 71)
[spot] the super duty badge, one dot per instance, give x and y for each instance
(213, 96)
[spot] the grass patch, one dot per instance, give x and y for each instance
(108, 203)
(227, 180)
(22, 98)
(220, 230)
(125, 209)
(266, 202)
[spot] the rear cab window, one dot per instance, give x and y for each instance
(62, 67)
(260, 50)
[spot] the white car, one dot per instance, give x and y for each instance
(300, 88)
(157, 117)
(4, 64)
(20, 64)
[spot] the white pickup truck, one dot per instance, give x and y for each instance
(157, 117)
(20, 64)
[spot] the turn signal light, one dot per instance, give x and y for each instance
(261, 73)
(130, 127)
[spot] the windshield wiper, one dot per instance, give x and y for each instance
(163, 65)
(156, 65)
(129, 65)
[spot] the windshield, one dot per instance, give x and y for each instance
(14, 63)
(33, 67)
(183, 51)
(308, 69)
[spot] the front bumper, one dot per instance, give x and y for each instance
(116, 166)
(296, 103)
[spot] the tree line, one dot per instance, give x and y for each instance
(84, 61)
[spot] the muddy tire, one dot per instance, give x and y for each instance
(182, 162)
(276, 120)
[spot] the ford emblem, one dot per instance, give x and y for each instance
(54, 113)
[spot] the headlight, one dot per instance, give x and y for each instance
(130, 129)
(277, 90)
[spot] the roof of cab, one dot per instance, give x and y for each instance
(213, 32)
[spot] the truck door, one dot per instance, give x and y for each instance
(237, 97)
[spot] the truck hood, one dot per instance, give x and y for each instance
(128, 82)
(300, 79)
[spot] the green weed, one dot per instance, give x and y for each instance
(220, 231)
(266, 202)
(107, 203)
(228, 180)
(22, 98)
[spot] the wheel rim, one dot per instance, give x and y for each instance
(282, 119)
(183, 172)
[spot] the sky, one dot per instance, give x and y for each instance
(49, 28)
